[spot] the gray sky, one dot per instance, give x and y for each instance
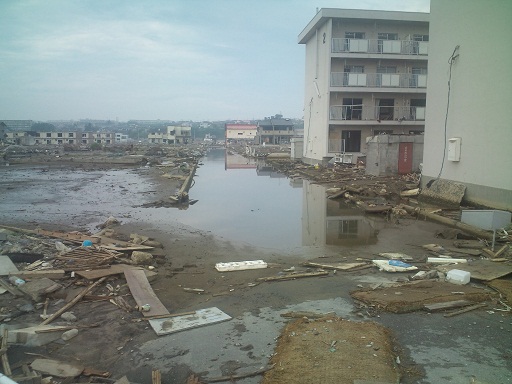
(148, 59)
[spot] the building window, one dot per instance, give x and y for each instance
(59, 134)
(48, 141)
(420, 37)
(71, 141)
(351, 141)
(84, 134)
(385, 109)
(387, 36)
(71, 134)
(84, 141)
(352, 109)
(59, 141)
(354, 35)
(48, 134)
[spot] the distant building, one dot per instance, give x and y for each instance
(18, 125)
(245, 132)
(121, 138)
(172, 135)
(275, 130)
(3, 132)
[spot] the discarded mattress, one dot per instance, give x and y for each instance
(240, 265)
(393, 266)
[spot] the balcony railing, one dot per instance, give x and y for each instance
(378, 80)
(382, 113)
(399, 47)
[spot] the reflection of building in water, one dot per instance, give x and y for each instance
(236, 161)
(263, 169)
(330, 222)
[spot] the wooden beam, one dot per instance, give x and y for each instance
(74, 301)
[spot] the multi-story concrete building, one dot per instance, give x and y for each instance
(275, 130)
(468, 134)
(172, 135)
(366, 74)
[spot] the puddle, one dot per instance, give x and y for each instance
(240, 200)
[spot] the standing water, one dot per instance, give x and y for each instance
(240, 200)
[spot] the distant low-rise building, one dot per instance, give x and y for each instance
(245, 132)
(172, 135)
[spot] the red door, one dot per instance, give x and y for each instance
(404, 158)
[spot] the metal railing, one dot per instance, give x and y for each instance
(378, 80)
(379, 113)
(400, 47)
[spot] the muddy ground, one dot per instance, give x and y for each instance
(431, 348)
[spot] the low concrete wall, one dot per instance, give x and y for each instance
(383, 153)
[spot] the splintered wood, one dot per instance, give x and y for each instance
(84, 258)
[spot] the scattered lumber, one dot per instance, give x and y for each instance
(240, 376)
(339, 266)
(446, 305)
(450, 222)
(74, 301)
(467, 309)
(293, 276)
(309, 315)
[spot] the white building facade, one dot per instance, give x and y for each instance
(366, 74)
(468, 133)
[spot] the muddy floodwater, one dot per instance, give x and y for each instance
(239, 200)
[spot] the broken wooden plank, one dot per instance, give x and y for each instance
(73, 302)
(143, 293)
(293, 276)
(200, 318)
(8, 287)
(446, 305)
(445, 260)
(5, 361)
(464, 310)
(338, 266)
(40, 274)
(156, 376)
(233, 378)
(113, 269)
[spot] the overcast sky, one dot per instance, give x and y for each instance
(169, 59)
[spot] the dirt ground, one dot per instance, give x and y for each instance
(109, 335)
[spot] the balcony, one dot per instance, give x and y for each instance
(396, 47)
(378, 80)
(379, 114)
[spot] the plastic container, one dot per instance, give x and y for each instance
(14, 280)
(456, 276)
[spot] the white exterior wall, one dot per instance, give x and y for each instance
(316, 105)
(480, 99)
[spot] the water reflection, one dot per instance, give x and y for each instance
(323, 221)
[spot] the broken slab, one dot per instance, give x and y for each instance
(443, 192)
(34, 336)
(485, 270)
(200, 318)
(413, 296)
(395, 256)
(57, 368)
(37, 289)
(7, 267)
